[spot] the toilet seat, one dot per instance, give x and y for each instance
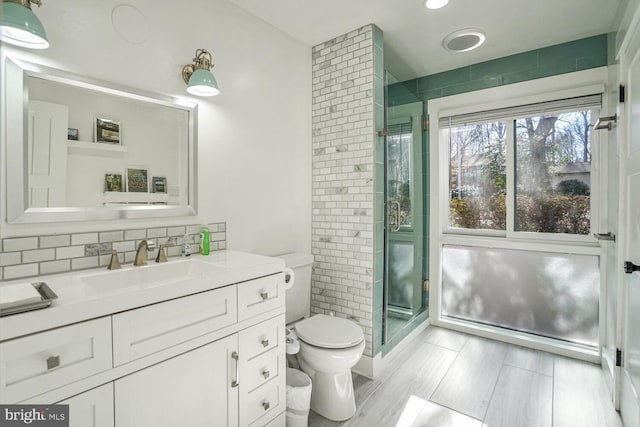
(325, 331)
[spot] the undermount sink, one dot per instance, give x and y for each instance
(172, 272)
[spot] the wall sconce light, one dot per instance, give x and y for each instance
(20, 26)
(197, 76)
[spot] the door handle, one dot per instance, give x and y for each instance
(630, 267)
(236, 381)
(605, 236)
(395, 216)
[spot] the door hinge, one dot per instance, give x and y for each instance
(621, 93)
(425, 123)
(425, 285)
(618, 357)
(383, 132)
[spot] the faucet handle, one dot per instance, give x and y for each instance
(114, 264)
(161, 257)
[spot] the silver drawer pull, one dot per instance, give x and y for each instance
(264, 295)
(236, 381)
(265, 343)
(265, 374)
(265, 405)
(53, 362)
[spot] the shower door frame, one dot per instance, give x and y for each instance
(413, 113)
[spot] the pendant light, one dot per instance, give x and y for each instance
(20, 26)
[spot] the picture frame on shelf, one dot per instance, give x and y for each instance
(72, 134)
(107, 130)
(159, 184)
(137, 180)
(113, 182)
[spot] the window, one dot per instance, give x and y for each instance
(477, 177)
(522, 169)
(553, 173)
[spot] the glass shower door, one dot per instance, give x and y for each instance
(404, 216)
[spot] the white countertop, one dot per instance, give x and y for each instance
(78, 302)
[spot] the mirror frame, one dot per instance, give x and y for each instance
(15, 141)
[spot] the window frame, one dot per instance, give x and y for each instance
(510, 232)
(439, 143)
(568, 85)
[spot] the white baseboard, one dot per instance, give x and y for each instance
(630, 408)
(371, 367)
(366, 365)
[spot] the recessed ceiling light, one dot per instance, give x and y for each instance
(436, 4)
(463, 40)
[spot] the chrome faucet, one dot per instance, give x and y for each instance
(141, 252)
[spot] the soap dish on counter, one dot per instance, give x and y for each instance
(41, 299)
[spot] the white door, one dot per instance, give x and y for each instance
(609, 142)
(630, 235)
(194, 389)
(47, 160)
(93, 408)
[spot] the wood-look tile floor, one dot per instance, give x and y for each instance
(449, 379)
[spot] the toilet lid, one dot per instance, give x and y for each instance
(329, 331)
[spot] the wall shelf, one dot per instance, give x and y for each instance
(95, 149)
(122, 197)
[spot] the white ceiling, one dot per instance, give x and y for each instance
(413, 34)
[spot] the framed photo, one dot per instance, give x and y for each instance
(159, 184)
(107, 130)
(72, 134)
(113, 182)
(137, 180)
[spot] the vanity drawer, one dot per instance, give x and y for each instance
(263, 369)
(262, 403)
(262, 337)
(41, 362)
(260, 295)
(144, 331)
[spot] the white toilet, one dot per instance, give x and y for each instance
(329, 346)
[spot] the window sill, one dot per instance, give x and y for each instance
(519, 243)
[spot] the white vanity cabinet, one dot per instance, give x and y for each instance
(214, 357)
(37, 363)
(194, 389)
(93, 408)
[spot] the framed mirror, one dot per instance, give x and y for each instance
(78, 149)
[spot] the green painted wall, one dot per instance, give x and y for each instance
(590, 52)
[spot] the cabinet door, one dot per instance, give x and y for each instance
(93, 408)
(193, 389)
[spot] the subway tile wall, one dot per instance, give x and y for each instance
(32, 256)
(343, 178)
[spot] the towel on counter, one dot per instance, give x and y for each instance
(19, 294)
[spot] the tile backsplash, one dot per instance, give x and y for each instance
(37, 255)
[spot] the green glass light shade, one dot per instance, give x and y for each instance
(202, 83)
(21, 27)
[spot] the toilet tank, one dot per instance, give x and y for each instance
(299, 295)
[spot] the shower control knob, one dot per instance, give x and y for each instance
(630, 267)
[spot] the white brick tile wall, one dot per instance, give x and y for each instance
(20, 244)
(22, 270)
(36, 255)
(342, 183)
(55, 241)
(84, 238)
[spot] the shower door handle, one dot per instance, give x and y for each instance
(394, 218)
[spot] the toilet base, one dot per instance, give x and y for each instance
(332, 395)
